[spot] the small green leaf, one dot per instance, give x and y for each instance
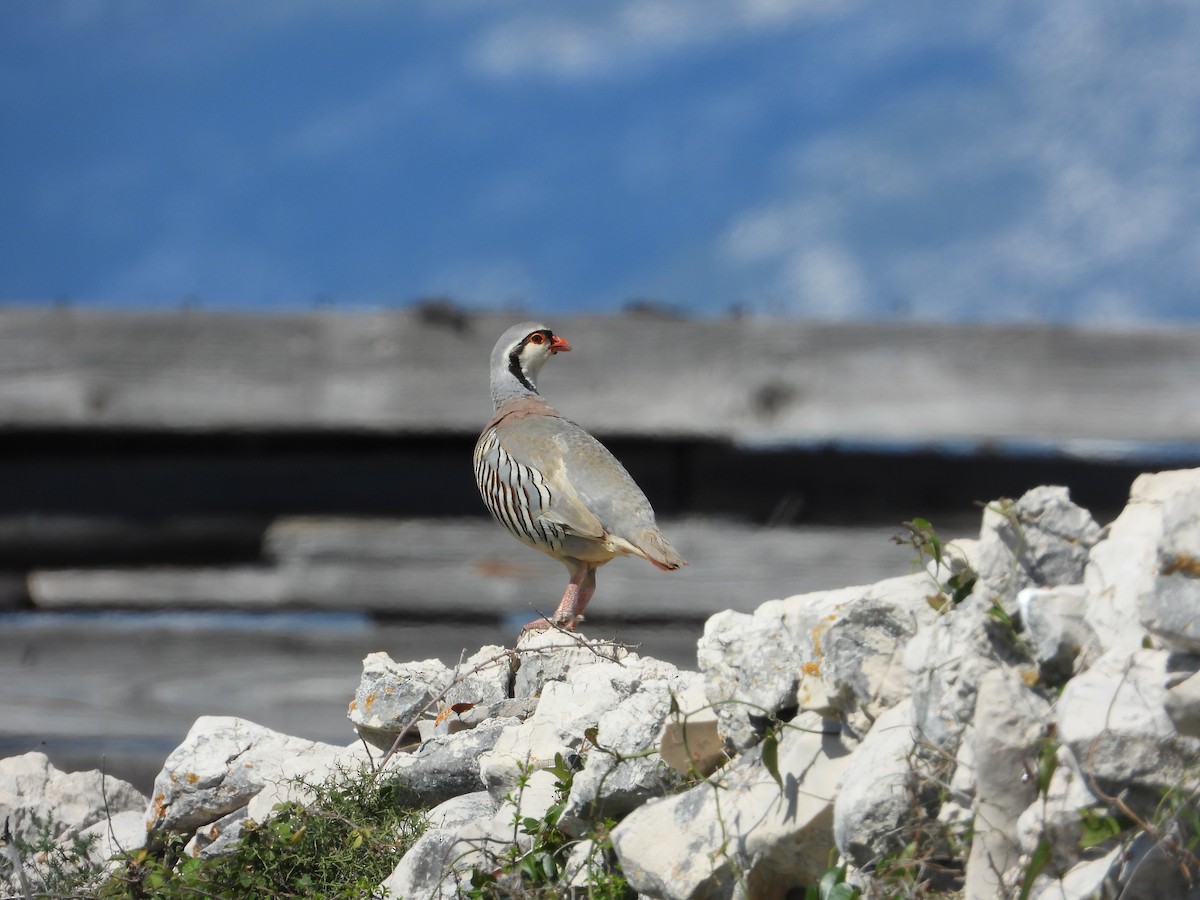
(553, 814)
(1097, 828)
(1047, 763)
(831, 879)
(770, 757)
(1037, 862)
(961, 584)
(928, 538)
(997, 612)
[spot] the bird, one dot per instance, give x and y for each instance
(552, 485)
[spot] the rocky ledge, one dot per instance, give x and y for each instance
(1019, 716)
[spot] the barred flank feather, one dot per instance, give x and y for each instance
(515, 494)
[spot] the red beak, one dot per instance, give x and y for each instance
(558, 344)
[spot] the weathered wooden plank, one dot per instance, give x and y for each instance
(41, 540)
(152, 587)
(748, 379)
(432, 569)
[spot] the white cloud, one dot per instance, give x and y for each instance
(333, 132)
(825, 281)
(608, 42)
(1063, 184)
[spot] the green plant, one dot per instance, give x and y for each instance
(539, 872)
(1096, 827)
(832, 886)
(959, 578)
(341, 843)
(1177, 820)
(55, 866)
(1174, 823)
(929, 855)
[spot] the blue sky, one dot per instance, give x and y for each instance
(834, 159)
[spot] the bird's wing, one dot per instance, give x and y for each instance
(530, 446)
(591, 493)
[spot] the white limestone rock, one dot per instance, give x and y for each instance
(691, 741)
(295, 776)
(1121, 568)
(838, 653)
(960, 557)
(947, 660)
(1136, 869)
(1041, 540)
(875, 795)
(447, 766)
(483, 678)
(624, 768)
(428, 870)
(586, 857)
(392, 696)
(551, 655)
(125, 832)
(1169, 607)
(956, 809)
(861, 652)
(1113, 719)
(444, 862)
(1010, 728)
(1084, 881)
(219, 837)
(1056, 815)
(751, 666)
(69, 804)
(439, 769)
(221, 764)
(1182, 702)
(566, 710)
(31, 787)
(775, 835)
(1055, 624)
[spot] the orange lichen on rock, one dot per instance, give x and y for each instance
(819, 630)
(157, 811)
(1182, 564)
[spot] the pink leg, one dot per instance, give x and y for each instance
(580, 588)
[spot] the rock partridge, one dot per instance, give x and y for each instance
(553, 485)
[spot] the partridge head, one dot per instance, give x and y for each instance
(551, 484)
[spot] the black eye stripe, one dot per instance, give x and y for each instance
(514, 358)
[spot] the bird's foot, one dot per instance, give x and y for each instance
(541, 623)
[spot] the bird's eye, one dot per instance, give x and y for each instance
(537, 338)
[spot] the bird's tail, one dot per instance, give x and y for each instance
(658, 550)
